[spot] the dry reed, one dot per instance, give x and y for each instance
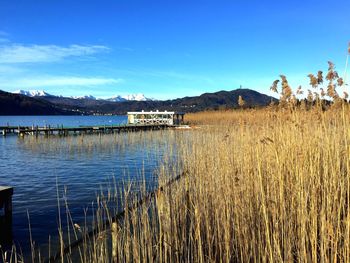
(262, 186)
(268, 189)
(267, 185)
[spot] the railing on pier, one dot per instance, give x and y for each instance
(64, 131)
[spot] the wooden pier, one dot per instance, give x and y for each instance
(65, 131)
(6, 193)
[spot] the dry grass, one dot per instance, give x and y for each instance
(266, 185)
(268, 189)
(229, 117)
(270, 186)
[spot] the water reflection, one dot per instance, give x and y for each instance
(75, 170)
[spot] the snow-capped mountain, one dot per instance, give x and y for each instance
(131, 97)
(116, 98)
(86, 97)
(33, 93)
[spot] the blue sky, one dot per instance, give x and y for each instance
(167, 49)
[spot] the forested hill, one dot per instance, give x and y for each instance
(12, 104)
(15, 104)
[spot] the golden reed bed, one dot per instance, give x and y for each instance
(261, 185)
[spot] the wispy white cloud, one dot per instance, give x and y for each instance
(59, 81)
(19, 53)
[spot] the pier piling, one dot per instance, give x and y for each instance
(6, 193)
(48, 130)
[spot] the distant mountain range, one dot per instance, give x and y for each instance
(32, 93)
(131, 97)
(116, 98)
(17, 104)
(86, 97)
(42, 103)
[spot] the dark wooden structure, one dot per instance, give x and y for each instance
(6, 193)
(64, 131)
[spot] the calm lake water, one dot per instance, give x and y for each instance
(67, 121)
(78, 166)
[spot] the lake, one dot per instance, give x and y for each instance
(78, 168)
(67, 121)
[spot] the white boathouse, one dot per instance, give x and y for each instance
(156, 117)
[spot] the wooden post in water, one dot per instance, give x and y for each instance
(6, 193)
(20, 132)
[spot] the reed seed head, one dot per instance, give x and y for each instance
(274, 86)
(300, 90)
(319, 77)
(340, 82)
(241, 102)
(313, 80)
(310, 96)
